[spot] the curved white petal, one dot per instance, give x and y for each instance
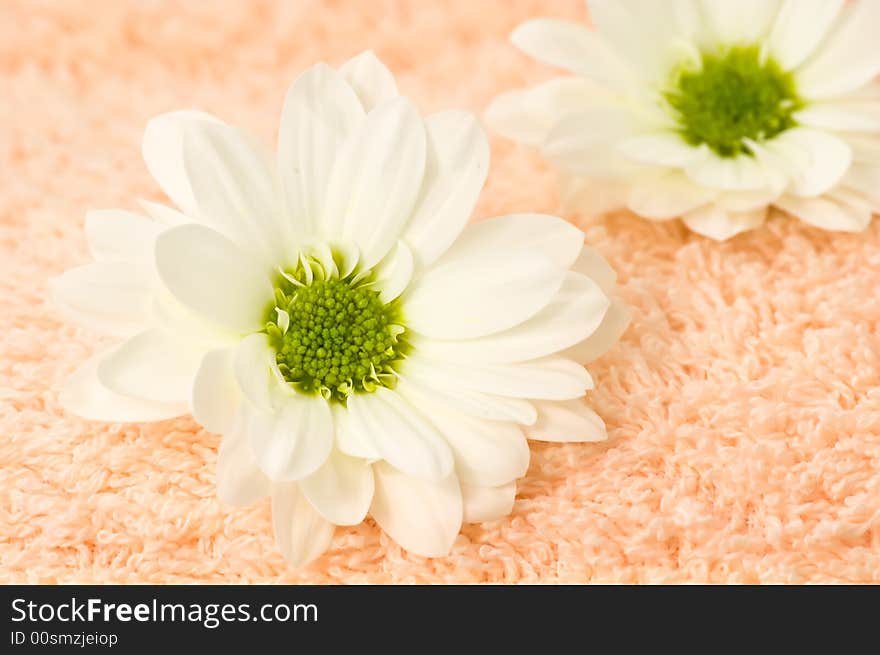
(614, 324)
(482, 504)
(422, 516)
(528, 115)
(114, 234)
(665, 194)
(110, 297)
(574, 48)
(476, 296)
(591, 263)
(742, 173)
(168, 216)
(487, 453)
(240, 481)
(474, 403)
(744, 201)
(162, 149)
(370, 78)
(822, 159)
(376, 180)
(826, 212)
(233, 183)
(215, 394)
(720, 224)
(849, 56)
(321, 112)
(568, 421)
(799, 28)
(842, 116)
(302, 534)
(551, 236)
(153, 365)
(865, 179)
(351, 436)
(293, 441)
(740, 22)
(84, 395)
(457, 162)
(252, 366)
(587, 143)
(551, 378)
(661, 148)
(341, 490)
(589, 197)
(395, 273)
(212, 276)
(401, 434)
(574, 314)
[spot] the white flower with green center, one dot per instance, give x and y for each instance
(709, 110)
(360, 349)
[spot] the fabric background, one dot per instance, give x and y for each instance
(743, 404)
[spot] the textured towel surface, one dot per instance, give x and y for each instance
(743, 404)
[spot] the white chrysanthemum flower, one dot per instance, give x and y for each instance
(359, 349)
(712, 110)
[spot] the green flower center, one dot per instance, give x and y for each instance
(734, 95)
(338, 337)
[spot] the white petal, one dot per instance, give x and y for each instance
(351, 437)
(376, 180)
(614, 324)
(482, 504)
(661, 148)
(84, 395)
(826, 162)
(401, 434)
(455, 170)
(233, 184)
(395, 273)
(825, 213)
(294, 441)
(800, 27)
(842, 116)
(487, 453)
(321, 111)
(587, 143)
(720, 224)
(163, 153)
(370, 78)
(163, 214)
(866, 148)
(153, 365)
(176, 318)
(665, 194)
(548, 378)
(302, 534)
(528, 115)
(110, 297)
(551, 236)
(569, 421)
(341, 490)
(574, 314)
(213, 277)
(215, 393)
(252, 366)
(744, 201)
(740, 22)
(476, 404)
(591, 263)
(120, 235)
(742, 173)
(865, 179)
(589, 197)
(424, 517)
(473, 297)
(574, 48)
(239, 480)
(849, 56)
